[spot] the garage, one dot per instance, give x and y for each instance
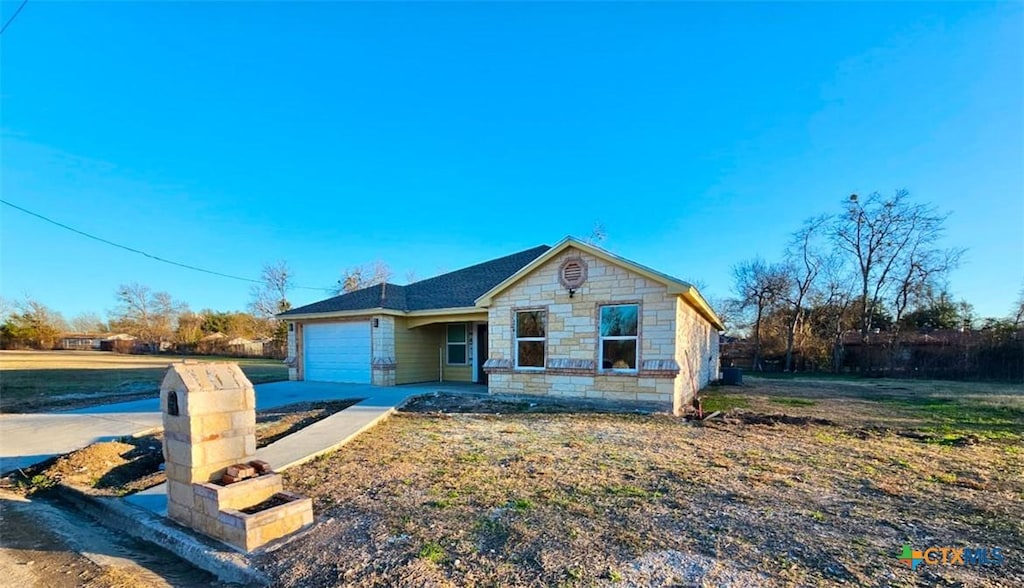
(337, 352)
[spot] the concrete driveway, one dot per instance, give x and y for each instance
(26, 439)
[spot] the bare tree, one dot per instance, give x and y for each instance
(87, 322)
(885, 239)
(270, 297)
(150, 316)
(697, 283)
(598, 234)
(916, 278)
(7, 307)
(1018, 311)
(410, 276)
(804, 262)
(835, 303)
(759, 286)
(363, 276)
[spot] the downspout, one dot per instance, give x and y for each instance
(440, 365)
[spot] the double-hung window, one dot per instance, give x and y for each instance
(619, 340)
(457, 344)
(531, 329)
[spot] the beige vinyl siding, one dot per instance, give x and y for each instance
(418, 355)
(458, 373)
(416, 352)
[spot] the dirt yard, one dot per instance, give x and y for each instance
(803, 483)
(35, 381)
(117, 468)
(43, 545)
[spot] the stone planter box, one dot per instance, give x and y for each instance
(218, 511)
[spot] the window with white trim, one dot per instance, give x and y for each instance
(531, 331)
(619, 336)
(457, 340)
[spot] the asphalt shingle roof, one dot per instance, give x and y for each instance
(455, 289)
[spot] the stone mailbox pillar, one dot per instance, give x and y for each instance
(209, 417)
(215, 427)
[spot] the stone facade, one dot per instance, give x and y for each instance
(668, 332)
(382, 341)
(696, 353)
(292, 360)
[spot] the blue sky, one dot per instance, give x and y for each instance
(433, 136)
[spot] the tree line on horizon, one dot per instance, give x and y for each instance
(854, 291)
(849, 293)
(156, 318)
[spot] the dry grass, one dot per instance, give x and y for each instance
(814, 483)
(33, 381)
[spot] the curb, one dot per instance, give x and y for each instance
(203, 553)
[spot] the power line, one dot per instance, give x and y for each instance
(149, 255)
(17, 11)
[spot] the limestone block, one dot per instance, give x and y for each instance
(620, 396)
(229, 449)
(178, 452)
(653, 397)
(180, 493)
(180, 514)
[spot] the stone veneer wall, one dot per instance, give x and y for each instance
(293, 351)
(382, 340)
(572, 335)
(696, 353)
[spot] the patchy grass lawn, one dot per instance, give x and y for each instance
(802, 483)
(34, 381)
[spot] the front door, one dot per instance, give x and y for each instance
(481, 348)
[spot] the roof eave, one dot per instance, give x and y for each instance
(697, 301)
(378, 310)
(339, 313)
(442, 311)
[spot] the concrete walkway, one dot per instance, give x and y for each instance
(321, 437)
(26, 439)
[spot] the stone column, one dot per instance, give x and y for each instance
(209, 417)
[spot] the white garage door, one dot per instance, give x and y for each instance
(337, 352)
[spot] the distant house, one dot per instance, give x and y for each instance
(120, 342)
(244, 347)
(212, 343)
(81, 341)
(221, 344)
(571, 320)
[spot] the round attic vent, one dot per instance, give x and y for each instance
(573, 273)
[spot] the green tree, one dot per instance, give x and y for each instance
(32, 324)
(937, 313)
